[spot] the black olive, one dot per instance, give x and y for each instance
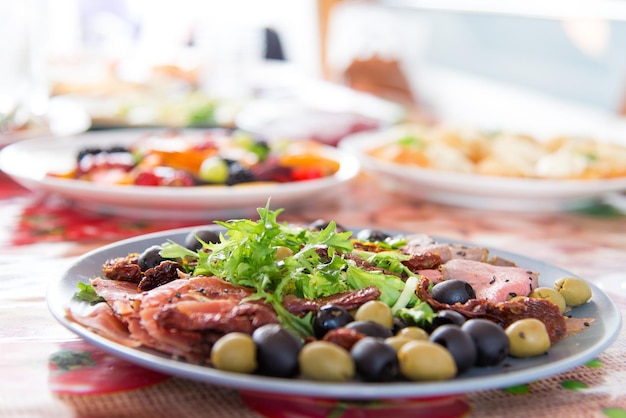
(492, 343)
(206, 235)
(447, 316)
(320, 224)
(370, 328)
(329, 317)
(459, 343)
(453, 291)
(237, 173)
(375, 360)
(117, 149)
(372, 235)
(83, 152)
(277, 351)
(398, 324)
(150, 258)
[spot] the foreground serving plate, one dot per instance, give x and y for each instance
(563, 356)
(474, 190)
(29, 161)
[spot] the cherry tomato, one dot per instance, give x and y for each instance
(147, 178)
(306, 173)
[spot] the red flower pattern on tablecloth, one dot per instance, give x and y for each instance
(281, 406)
(79, 368)
(46, 219)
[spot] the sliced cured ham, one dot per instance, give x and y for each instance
(185, 317)
(495, 283)
(101, 319)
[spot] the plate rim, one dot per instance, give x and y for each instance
(296, 387)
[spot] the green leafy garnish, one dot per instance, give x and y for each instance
(389, 286)
(412, 141)
(247, 141)
(87, 293)
(311, 264)
(388, 260)
(246, 256)
(420, 315)
(407, 296)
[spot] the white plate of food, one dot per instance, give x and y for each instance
(49, 164)
(500, 171)
(602, 328)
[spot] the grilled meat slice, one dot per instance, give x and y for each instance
(349, 300)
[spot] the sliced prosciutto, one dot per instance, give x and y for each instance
(101, 319)
(185, 317)
(495, 283)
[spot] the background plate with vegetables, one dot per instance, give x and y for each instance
(564, 355)
(401, 161)
(45, 164)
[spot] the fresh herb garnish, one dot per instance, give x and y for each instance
(87, 293)
(412, 142)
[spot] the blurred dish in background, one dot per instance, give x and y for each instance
(63, 117)
(202, 158)
(503, 154)
(31, 161)
(318, 111)
(279, 101)
(154, 107)
(473, 169)
(618, 201)
(162, 95)
(26, 109)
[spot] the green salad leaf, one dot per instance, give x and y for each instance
(388, 260)
(420, 315)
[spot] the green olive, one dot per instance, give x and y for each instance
(375, 311)
(214, 170)
(426, 361)
(325, 361)
(574, 290)
(414, 333)
(235, 352)
(550, 294)
(528, 337)
(398, 341)
(283, 252)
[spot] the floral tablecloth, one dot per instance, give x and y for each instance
(49, 372)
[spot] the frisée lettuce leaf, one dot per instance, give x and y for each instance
(310, 264)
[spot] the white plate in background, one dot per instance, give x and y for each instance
(28, 162)
(474, 190)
